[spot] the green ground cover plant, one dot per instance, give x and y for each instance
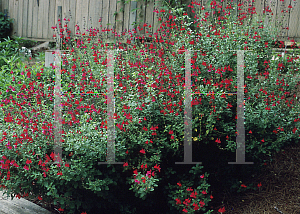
(149, 114)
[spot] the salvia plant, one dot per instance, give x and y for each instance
(149, 87)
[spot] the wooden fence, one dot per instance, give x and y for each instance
(34, 18)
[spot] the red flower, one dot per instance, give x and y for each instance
(189, 189)
(250, 132)
(142, 151)
(229, 105)
(259, 185)
(125, 164)
(171, 132)
(187, 201)
(222, 210)
(179, 184)
(157, 167)
(181, 51)
(178, 201)
(218, 140)
(193, 194)
(28, 161)
(243, 185)
(196, 207)
(60, 209)
(201, 203)
(40, 198)
(143, 179)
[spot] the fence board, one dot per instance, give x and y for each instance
(105, 8)
(58, 3)
(119, 18)
(84, 14)
(15, 17)
(33, 21)
(73, 4)
(4, 5)
(126, 16)
(287, 18)
(29, 18)
(90, 16)
(59, 18)
(149, 16)
(244, 12)
(111, 16)
(45, 20)
(294, 28)
(156, 16)
(141, 17)
(98, 13)
(259, 6)
(51, 16)
(25, 17)
(10, 7)
(78, 20)
(41, 16)
(19, 4)
(282, 17)
(65, 12)
(270, 20)
(132, 17)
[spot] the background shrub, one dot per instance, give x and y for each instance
(5, 26)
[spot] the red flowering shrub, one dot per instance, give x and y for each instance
(149, 113)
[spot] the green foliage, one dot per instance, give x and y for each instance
(8, 51)
(5, 26)
(191, 190)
